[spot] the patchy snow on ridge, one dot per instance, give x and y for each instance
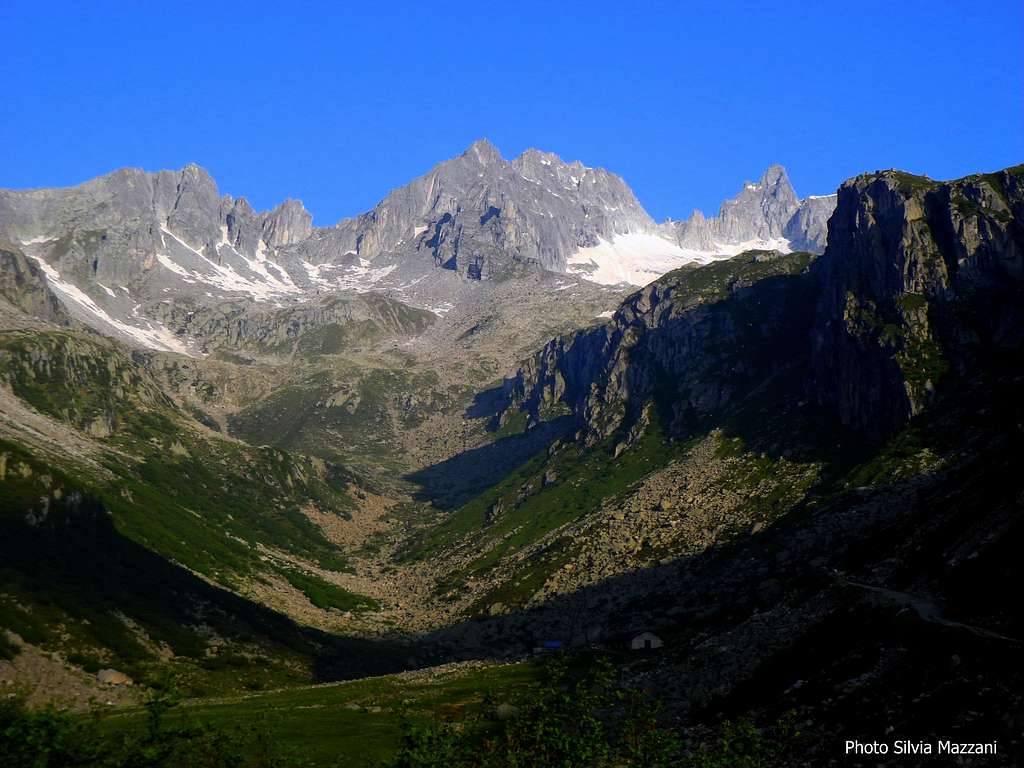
(260, 284)
(633, 258)
(360, 278)
(154, 336)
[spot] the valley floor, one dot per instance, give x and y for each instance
(361, 722)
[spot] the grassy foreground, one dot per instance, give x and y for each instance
(359, 722)
(567, 712)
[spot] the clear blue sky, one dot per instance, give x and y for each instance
(336, 103)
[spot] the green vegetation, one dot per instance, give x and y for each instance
(115, 526)
(774, 485)
(515, 424)
(531, 508)
(969, 208)
(55, 739)
(585, 479)
(204, 502)
(74, 585)
(995, 181)
(570, 712)
(923, 364)
(909, 183)
(109, 543)
(905, 455)
(325, 595)
(911, 302)
(715, 281)
(357, 723)
(367, 404)
(546, 492)
(552, 411)
(919, 356)
(87, 382)
(583, 718)
(334, 338)
(220, 499)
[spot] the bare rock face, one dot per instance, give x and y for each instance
(113, 677)
(117, 250)
(287, 224)
(473, 213)
(23, 287)
(807, 229)
(767, 211)
(691, 336)
(919, 279)
(244, 324)
(115, 246)
(761, 210)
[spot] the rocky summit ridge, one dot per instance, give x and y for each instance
(117, 250)
(764, 213)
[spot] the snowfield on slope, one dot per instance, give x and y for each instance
(633, 258)
(637, 259)
(153, 336)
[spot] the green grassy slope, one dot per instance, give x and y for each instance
(359, 722)
(188, 494)
(550, 490)
(74, 583)
(170, 496)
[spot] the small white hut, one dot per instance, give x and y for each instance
(645, 641)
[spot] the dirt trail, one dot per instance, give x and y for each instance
(927, 609)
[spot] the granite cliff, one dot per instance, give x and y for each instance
(765, 214)
(920, 281)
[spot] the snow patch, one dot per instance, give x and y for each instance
(361, 278)
(442, 309)
(260, 283)
(775, 244)
(154, 336)
(633, 258)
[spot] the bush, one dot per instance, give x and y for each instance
(570, 721)
(587, 721)
(741, 745)
(52, 738)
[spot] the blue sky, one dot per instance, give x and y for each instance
(336, 103)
